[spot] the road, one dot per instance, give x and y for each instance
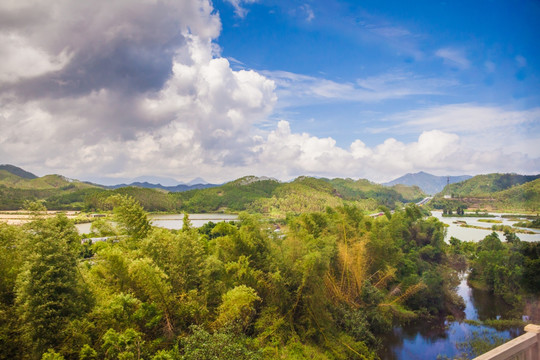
(424, 201)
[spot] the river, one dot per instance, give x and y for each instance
(421, 340)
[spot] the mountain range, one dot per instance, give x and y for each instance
(430, 184)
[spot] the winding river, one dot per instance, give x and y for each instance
(441, 337)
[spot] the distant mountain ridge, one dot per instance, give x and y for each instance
(430, 184)
(176, 188)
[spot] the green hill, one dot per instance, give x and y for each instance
(496, 192)
(236, 195)
(409, 193)
(263, 195)
(482, 185)
(17, 171)
(56, 191)
(522, 197)
(303, 194)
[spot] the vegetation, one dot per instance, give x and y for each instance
(325, 287)
(509, 269)
(482, 185)
(534, 224)
(260, 195)
(508, 192)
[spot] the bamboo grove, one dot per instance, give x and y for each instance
(321, 285)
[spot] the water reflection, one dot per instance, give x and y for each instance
(472, 234)
(427, 340)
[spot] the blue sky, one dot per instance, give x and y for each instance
(110, 91)
(437, 52)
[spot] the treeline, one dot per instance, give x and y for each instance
(508, 269)
(503, 192)
(246, 194)
(321, 285)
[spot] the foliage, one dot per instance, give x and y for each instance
(130, 216)
(48, 290)
(495, 192)
(326, 286)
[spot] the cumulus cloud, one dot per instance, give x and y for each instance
(123, 89)
(286, 154)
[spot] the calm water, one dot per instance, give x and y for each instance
(428, 340)
(469, 234)
(175, 221)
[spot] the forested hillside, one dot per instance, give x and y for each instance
(262, 195)
(57, 191)
(484, 185)
(325, 287)
(503, 192)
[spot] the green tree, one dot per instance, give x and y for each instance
(49, 294)
(131, 217)
(238, 308)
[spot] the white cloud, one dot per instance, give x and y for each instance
(295, 89)
(454, 57)
(88, 106)
(286, 154)
(466, 118)
(308, 12)
(239, 6)
(22, 60)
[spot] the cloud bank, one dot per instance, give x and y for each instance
(123, 89)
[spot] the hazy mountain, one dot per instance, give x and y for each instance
(176, 188)
(165, 181)
(197, 181)
(18, 171)
(430, 184)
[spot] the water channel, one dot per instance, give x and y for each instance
(442, 337)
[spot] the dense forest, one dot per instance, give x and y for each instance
(316, 285)
(258, 195)
(494, 192)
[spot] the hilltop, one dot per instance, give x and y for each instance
(12, 169)
(58, 192)
(482, 185)
(255, 194)
(430, 184)
(269, 196)
(502, 192)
